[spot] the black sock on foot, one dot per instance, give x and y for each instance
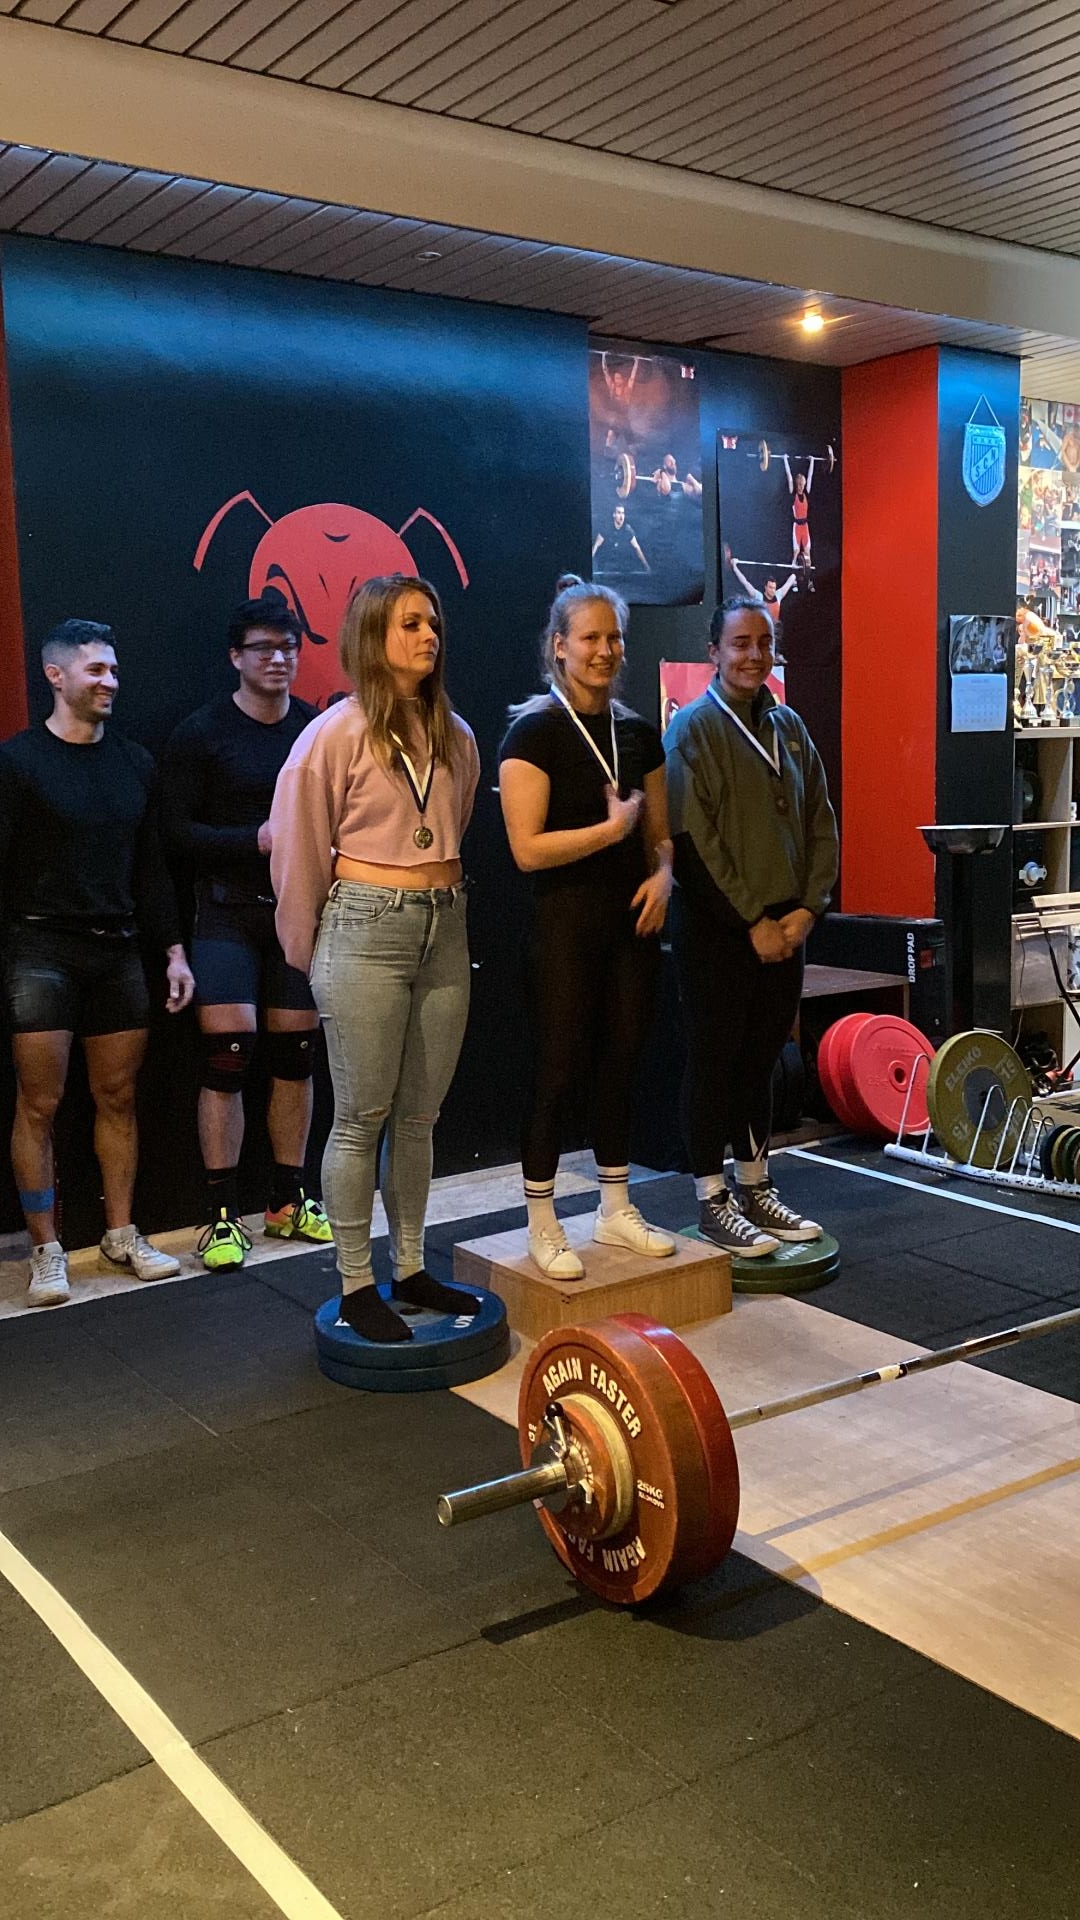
(222, 1192)
(367, 1314)
(286, 1187)
(420, 1290)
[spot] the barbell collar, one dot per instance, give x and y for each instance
(496, 1496)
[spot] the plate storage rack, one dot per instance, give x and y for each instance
(986, 1122)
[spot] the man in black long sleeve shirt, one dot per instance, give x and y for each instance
(83, 875)
(221, 766)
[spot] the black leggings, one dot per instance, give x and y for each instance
(737, 1013)
(592, 984)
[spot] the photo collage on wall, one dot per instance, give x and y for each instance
(645, 460)
(1048, 544)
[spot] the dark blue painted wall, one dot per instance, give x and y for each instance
(144, 393)
(976, 574)
(147, 392)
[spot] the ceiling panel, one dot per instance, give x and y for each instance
(638, 299)
(959, 114)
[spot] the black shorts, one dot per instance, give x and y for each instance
(237, 959)
(58, 981)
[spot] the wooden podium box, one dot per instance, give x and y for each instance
(693, 1283)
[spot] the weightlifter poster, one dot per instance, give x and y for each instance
(780, 532)
(645, 457)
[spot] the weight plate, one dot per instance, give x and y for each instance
(1055, 1151)
(831, 1085)
(1061, 1156)
(625, 475)
(661, 1543)
(879, 1065)
(598, 1438)
(437, 1338)
(781, 1283)
(1046, 1147)
(839, 1059)
(717, 1445)
(429, 1379)
(969, 1071)
(795, 1267)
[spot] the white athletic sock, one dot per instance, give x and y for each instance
(712, 1186)
(752, 1173)
(614, 1188)
(540, 1201)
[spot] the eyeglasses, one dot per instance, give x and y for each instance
(288, 648)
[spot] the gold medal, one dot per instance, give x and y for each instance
(423, 838)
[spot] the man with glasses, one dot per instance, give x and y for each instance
(220, 769)
(756, 858)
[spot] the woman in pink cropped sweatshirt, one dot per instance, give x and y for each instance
(367, 822)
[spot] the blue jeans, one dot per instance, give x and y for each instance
(391, 981)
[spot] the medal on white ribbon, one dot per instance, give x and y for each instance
(420, 788)
(780, 800)
(611, 771)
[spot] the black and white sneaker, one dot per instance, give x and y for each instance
(764, 1209)
(721, 1222)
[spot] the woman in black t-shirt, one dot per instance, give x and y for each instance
(585, 805)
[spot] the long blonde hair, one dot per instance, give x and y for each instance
(362, 650)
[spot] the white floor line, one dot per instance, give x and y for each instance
(286, 1885)
(936, 1193)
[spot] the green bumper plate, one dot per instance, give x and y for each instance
(795, 1267)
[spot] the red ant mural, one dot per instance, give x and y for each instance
(315, 558)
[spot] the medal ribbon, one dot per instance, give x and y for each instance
(419, 786)
(611, 771)
(773, 758)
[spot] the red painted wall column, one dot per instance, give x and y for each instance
(889, 656)
(13, 708)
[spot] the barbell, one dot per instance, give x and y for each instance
(763, 453)
(627, 478)
(629, 1456)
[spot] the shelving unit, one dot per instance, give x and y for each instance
(1050, 755)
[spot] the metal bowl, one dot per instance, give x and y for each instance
(950, 839)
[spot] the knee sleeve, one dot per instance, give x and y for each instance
(291, 1056)
(226, 1058)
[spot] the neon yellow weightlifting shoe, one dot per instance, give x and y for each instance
(303, 1219)
(224, 1244)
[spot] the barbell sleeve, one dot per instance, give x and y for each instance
(902, 1369)
(495, 1496)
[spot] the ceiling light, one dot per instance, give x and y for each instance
(812, 322)
(429, 254)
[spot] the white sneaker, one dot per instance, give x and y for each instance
(49, 1283)
(125, 1247)
(627, 1228)
(552, 1253)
